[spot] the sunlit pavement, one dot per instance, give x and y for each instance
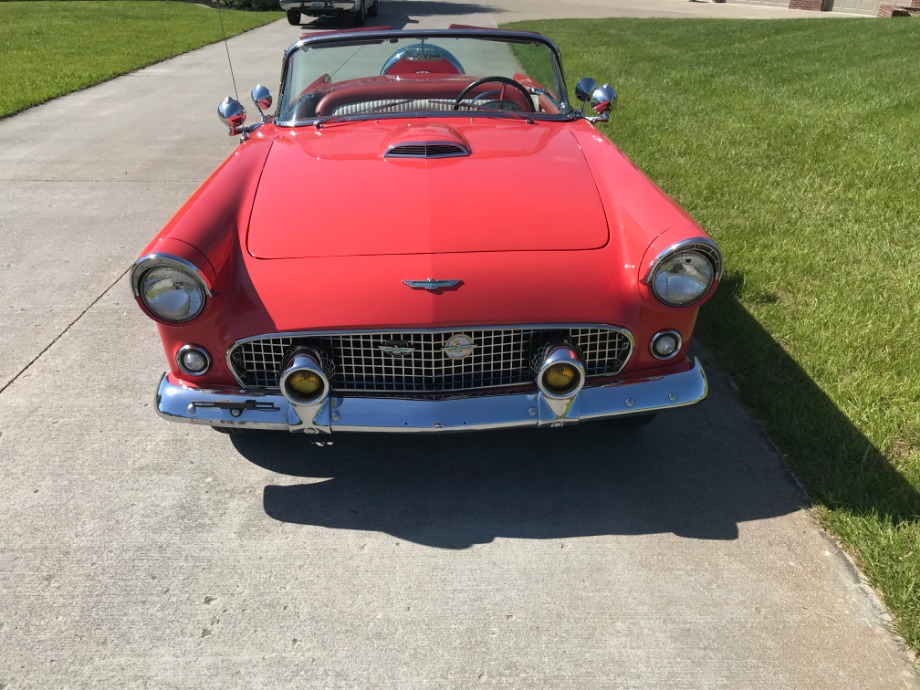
(137, 553)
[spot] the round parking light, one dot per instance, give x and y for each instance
(194, 360)
(665, 344)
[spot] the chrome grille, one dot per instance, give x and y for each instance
(413, 363)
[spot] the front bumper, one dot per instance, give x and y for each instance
(245, 410)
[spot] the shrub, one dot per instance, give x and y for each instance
(253, 5)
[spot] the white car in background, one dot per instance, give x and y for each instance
(356, 9)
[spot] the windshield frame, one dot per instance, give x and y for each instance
(358, 36)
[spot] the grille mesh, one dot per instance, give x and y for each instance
(500, 358)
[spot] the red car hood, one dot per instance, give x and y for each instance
(332, 192)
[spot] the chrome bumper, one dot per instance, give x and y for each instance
(272, 411)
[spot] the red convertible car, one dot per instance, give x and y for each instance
(426, 234)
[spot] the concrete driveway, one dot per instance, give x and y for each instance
(140, 554)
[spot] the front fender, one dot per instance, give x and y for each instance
(208, 222)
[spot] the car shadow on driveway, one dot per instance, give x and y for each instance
(453, 491)
(840, 466)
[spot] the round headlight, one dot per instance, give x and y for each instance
(172, 293)
(682, 278)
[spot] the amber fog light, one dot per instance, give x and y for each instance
(560, 378)
(561, 373)
(665, 344)
(305, 384)
(194, 360)
(303, 380)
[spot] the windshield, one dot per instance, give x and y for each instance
(421, 74)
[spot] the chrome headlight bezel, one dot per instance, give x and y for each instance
(698, 247)
(151, 262)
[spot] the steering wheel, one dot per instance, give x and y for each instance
(501, 80)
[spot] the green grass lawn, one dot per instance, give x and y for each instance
(797, 145)
(48, 49)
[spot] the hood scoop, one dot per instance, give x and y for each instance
(425, 141)
(426, 149)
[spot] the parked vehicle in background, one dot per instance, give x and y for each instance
(356, 10)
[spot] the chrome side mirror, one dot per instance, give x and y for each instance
(262, 97)
(602, 98)
(584, 88)
(232, 113)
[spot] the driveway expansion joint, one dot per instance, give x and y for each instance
(63, 332)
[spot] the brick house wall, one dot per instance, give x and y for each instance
(899, 10)
(886, 8)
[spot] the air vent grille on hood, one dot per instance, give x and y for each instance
(433, 149)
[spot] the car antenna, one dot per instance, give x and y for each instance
(227, 48)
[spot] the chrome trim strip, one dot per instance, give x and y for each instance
(448, 329)
(155, 259)
(680, 344)
(432, 284)
(345, 37)
(438, 329)
(256, 411)
(703, 245)
(319, 120)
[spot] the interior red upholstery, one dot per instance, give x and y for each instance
(447, 89)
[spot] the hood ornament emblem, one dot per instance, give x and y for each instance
(400, 349)
(458, 346)
(432, 285)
